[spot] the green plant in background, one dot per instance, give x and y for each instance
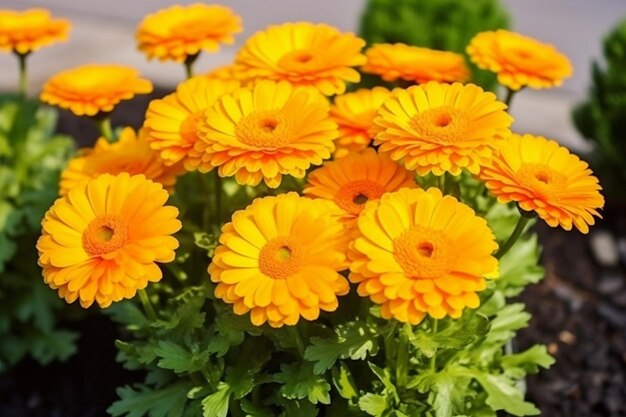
(446, 25)
(602, 118)
(31, 157)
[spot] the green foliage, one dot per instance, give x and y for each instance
(446, 25)
(31, 157)
(601, 118)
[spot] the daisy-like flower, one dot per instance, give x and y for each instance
(417, 252)
(175, 33)
(518, 60)
(356, 179)
(544, 177)
(224, 73)
(264, 132)
(131, 154)
(304, 54)
(354, 114)
(101, 240)
(29, 30)
(415, 64)
(441, 128)
(173, 123)
(279, 260)
(90, 89)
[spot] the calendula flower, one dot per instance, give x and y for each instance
(441, 128)
(279, 260)
(264, 132)
(29, 30)
(419, 253)
(352, 181)
(175, 33)
(544, 177)
(131, 154)
(90, 89)
(415, 64)
(518, 60)
(354, 114)
(101, 240)
(224, 73)
(304, 54)
(173, 123)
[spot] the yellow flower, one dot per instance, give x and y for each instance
(541, 176)
(131, 154)
(30, 30)
(356, 179)
(101, 240)
(417, 252)
(415, 64)
(172, 123)
(441, 128)
(354, 114)
(518, 60)
(304, 54)
(175, 33)
(224, 73)
(265, 132)
(90, 89)
(279, 260)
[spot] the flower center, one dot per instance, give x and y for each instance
(281, 257)
(105, 234)
(424, 253)
(444, 124)
(298, 60)
(354, 194)
(545, 182)
(266, 129)
(190, 127)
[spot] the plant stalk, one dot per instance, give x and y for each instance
(433, 360)
(189, 65)
(402, 358)
(218, 198)
(294, 330)
(23, 75)
(517, 232)
(509, 97)
(104, 127)
(147, 305)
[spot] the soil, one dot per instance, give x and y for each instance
(579, 311)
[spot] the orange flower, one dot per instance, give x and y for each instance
(101, 240)
(518, 60)
(441, 128)
(90, 89)
(224, 73)
(354, 114)
(131, 154)
(30, 30)
(412, 63)
(303, 54)
(178, 32)
(279, 260)
(173, 123)
(356, 179)
(541, 176)
(420, 253)
(265, 132)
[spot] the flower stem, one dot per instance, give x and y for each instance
(218, 197)
(509, 97)
(441, 183)
(519, 228)
(104, 127)
(23, 75)
(189, 65)
(297, 338)
(147, 305)
(402, 357)
(433, 360)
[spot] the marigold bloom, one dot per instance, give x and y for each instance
(441, 128)
(173, 123)
(177, 32)
(417, 252)
(101, 240)
(541, 176)
(304, 54)
(279, 260)
(131, 154)
(415, 64)
(89, 89)
(264, 132)
(518, 60)
(29, 30)
(224, 73)
(356, 179)
(354, 114)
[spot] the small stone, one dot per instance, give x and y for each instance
(611, 282)
(604, 248)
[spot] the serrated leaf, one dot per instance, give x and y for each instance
(143, 401)
(252, 410)
(456, 334)
(300, 382)
(373, 404)
(344, 383)
(509, 319)
(529, 360)
(178, 358)
(520, 267)
(216, 404)
(502, 394)
(56, 344)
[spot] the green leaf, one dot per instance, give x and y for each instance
(520, 267)
(300, 382)
(143, 401)
(448, 389)
(179, 359)
(206, 241)
(344, 383)
(216, 404)
(56, 344)
(373, 404)
(529, 360)
(241, 377)
(508, 320)
(452, 334)
(296, 408)
(252, 410)
(502, 394)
